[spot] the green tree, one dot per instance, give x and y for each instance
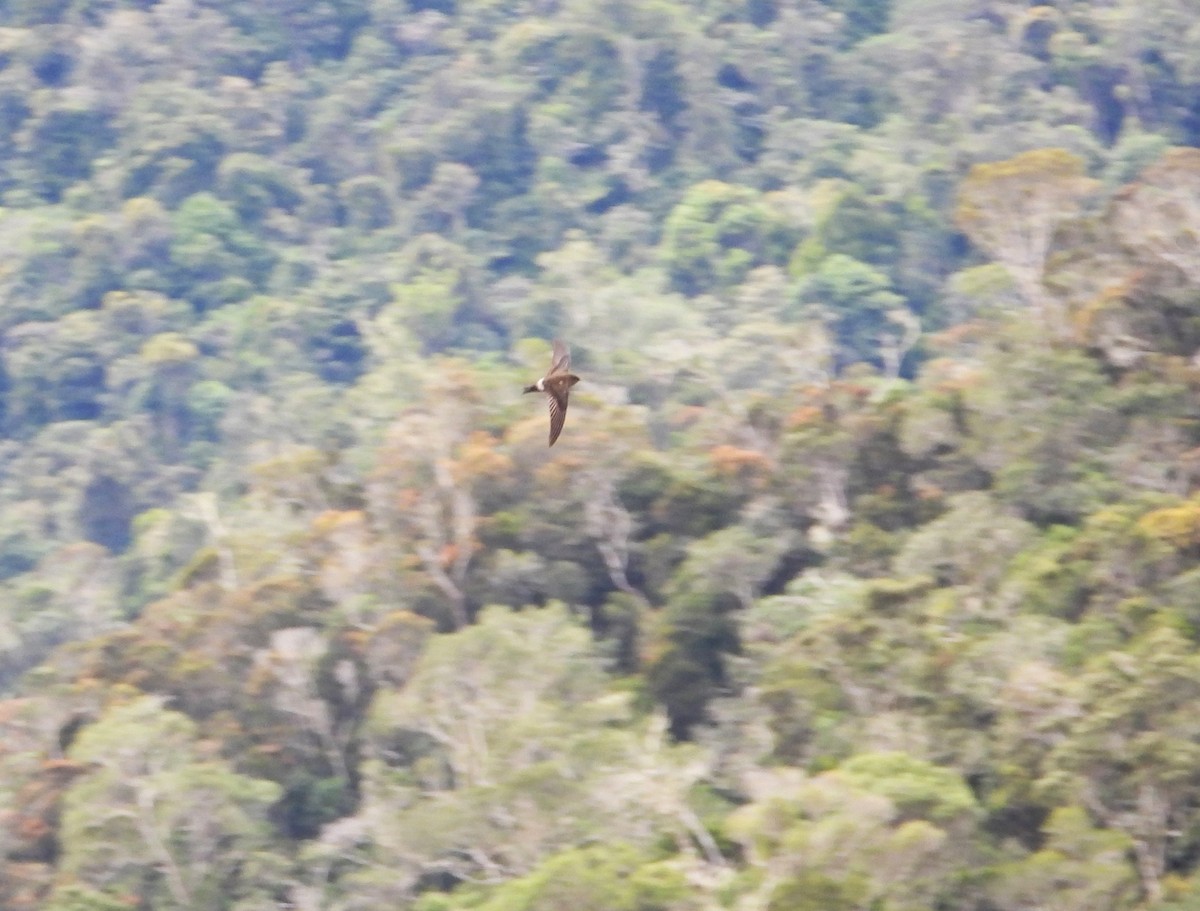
(717, 233)
(1012, 209)
(971, 545)
(602, 878)
(60, 146)
(426, 486)
(158, 819)
(1131, 756)
(1080, 867)
(877, 830)
(257, 186)
(214, 259)
(503, 749)
(858, 304)
(169, 362)
(59, 371)
(1050, 476)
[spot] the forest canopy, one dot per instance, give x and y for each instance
(865, 572)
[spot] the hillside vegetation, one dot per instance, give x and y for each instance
(864, 577)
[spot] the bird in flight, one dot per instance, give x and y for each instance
(557, 385)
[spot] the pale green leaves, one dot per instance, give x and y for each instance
(159, 807)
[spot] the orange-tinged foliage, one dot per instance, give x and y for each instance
(926, 490)
(950, 377)
(735, 461)
(332, 521)
(63, 770)
(478, 457)
(407, 499)
(32, 829)
(24, 885)
(805, 415)
(686, 415)
(561, 469)
(10, 711)
(1030, 173)
(952, 336)
(448, 554)
(1086, 319)
(198, 644)
(34, 818)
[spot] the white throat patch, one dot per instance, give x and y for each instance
(541, 385)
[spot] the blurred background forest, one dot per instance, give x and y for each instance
(866, 573)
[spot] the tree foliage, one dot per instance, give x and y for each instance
(863, 575)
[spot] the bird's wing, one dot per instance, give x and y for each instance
(558, 412)
(562, 358)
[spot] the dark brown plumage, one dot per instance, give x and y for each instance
(556, 384)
